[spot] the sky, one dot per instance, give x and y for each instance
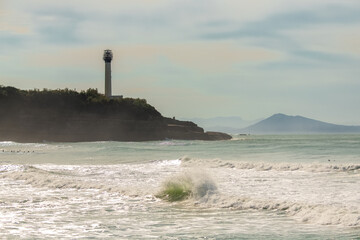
(193, 58)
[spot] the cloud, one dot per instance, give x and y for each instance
(321, 37)
(204, 57)
(159, 21)
(12, 20)
(10, 40)
(209, 57)
(13, 29)
(331, 39)
(272, 26)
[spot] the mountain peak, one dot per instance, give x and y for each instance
(281, 123)
(279, 115)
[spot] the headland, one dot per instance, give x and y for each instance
(65, 115)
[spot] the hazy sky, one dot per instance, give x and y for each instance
(193, 58)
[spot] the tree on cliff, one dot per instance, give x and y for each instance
(65, 101)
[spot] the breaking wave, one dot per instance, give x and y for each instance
(37, 177)
(262, 166)
(10, 143)
(199, 190)
(193, 188)
(187, 185)
(11, 168)
(315, 214)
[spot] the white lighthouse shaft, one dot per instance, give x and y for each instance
(108, 79)
(108, 56)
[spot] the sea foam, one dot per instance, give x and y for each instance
(267, 166)
(59, 180)
(307, 213)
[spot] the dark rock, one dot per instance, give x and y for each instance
(218, 136)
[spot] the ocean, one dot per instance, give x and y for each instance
(251, 187)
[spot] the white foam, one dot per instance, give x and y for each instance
(174, 143)
(175, 162)
(62, 180)
(306, 196)
(10, 168)
(7, 143)
(316, 214)
(267, 166)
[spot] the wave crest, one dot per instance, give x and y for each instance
(262, 166)
(187, 185)
(52, 179)
(315, 214)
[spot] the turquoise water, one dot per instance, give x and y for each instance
(252, 187)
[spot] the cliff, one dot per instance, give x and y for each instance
(69, 116)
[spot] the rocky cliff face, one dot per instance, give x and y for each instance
(80, 128)
(68, 116)
(190, 131)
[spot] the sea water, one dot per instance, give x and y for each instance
(251, 187)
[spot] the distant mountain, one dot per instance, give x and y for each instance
(281, 123)
(232, 125)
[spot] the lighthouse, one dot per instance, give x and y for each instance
(108, 56)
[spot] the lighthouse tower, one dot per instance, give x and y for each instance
(108, 56)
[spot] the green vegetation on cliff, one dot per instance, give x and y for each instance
(64, 101)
